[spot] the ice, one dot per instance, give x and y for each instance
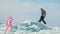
(30, 27)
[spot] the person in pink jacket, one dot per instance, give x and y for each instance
(9, 23)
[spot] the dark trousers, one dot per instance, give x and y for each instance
(42, 19)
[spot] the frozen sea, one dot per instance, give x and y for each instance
(30, 27)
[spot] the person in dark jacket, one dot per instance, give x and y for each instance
(43, 15)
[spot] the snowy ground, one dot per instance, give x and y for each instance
(30, 27)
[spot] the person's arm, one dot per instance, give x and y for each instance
(44, 13)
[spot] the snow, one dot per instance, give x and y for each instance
(30, 27)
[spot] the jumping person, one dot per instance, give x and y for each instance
(9, 23)
(43, 15)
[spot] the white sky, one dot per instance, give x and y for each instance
(30, 10)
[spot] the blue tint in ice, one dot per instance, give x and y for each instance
(30, 27)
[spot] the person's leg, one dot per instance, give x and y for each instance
(10, 27)
(40, 19)
(7, 28)
(43, 20)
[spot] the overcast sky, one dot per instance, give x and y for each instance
(30, 10)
